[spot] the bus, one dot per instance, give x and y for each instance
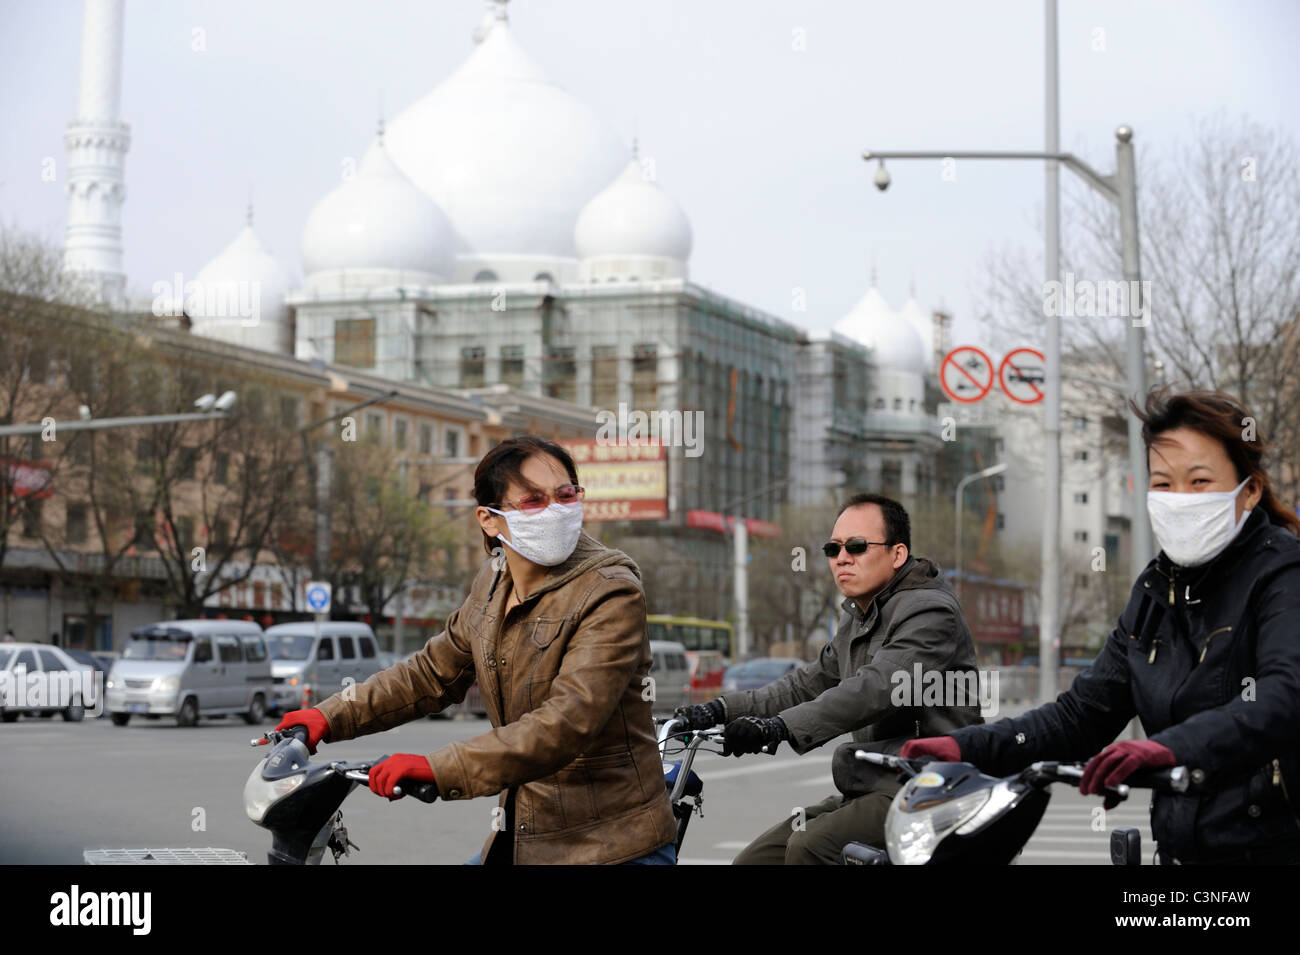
(693, 633)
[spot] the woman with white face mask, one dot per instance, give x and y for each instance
(554, 632)
(1206, 654)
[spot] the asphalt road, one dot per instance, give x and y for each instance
(66, 787)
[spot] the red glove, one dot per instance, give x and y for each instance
(1118, 761)
(384, 776)
(943, 748)
(318, 728)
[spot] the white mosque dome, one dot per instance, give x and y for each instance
(894, 343)
(239, 297)
(632, 229)
(378, 227)
(915, 316)
(509, 156)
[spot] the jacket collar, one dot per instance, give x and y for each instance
(589, 553)
(851, 604)
(1257, 524)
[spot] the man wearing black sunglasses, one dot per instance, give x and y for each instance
(900, 614)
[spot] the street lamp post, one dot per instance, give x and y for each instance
(1121, 189)
(961, 488)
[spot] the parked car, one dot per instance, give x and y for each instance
(671, 674)
(188, 669)
(19, 660)
(311, 661)
(705, 669)
(760, 671)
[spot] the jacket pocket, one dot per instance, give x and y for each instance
(612, 783)
(544, 630)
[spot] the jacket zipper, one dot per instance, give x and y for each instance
(1205, 648)
(1279, 781)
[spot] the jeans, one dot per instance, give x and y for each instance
(664, 855)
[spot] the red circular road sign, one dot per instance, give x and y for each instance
(1026, 374)
(966, 374)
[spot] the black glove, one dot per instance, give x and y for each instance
(749, 734)
(701, 716)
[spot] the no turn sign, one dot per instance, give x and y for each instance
(966, 374)
(1021, 373)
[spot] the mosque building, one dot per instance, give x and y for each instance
(498, 236)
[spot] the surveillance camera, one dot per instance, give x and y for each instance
(226, 401)
(205, 403)
(882, 177)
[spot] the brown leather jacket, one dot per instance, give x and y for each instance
(562, 679)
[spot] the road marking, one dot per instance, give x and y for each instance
(762, 768)
(730, 845)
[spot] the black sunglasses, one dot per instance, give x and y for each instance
(854, 545)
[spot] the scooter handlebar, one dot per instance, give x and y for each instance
(423, 791)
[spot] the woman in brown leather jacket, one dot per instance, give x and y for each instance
(554, 632)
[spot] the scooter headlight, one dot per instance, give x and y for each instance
(260, 794)
(912, 834)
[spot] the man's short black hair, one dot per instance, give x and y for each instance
(898, 526)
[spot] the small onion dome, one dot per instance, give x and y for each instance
(632, 230)
(378, 227)
(238, 297)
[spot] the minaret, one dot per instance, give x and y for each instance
(97, 142)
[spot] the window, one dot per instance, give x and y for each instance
(471, 366)
(1002, 521)
(27, 661)
(880, 404)
(999, 482)
(451, 442)
(202, 650)
(1081, 497)
(186, 464)
(220, 467)
(354, 342)
(562, 374)
(898, 404)
(228, 648)
(512, 365)
(911, 404)
(1081, 455)
(49, 661)
(891, 476)
(254, 649)
(486, 275)
(1082, 581)
(75, 529)
(645, 377)
(347, 649)
(1081, 536)
(367, 648)
(289, 411)
(326, 651)
(426, 439)
(375, 427)
(544, 277)
(144, 532)
(1080, 423)
(145, 451)
(449, 494)
(604, 376)
(400, 429)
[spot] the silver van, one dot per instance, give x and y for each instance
(191, 668)
(671, 672)
(310, 661)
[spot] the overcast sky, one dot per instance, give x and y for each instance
(757, 139)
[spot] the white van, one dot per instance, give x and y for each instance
(310, 661)
(671, 672)
(188, 669)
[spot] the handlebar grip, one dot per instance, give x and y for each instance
(1174, 779)
(299, 732)
(425, 792)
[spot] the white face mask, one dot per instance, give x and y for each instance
(1193, 528)
(547, 537)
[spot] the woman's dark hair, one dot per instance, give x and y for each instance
(898, 526)
(503, 463)
(1220, 416)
